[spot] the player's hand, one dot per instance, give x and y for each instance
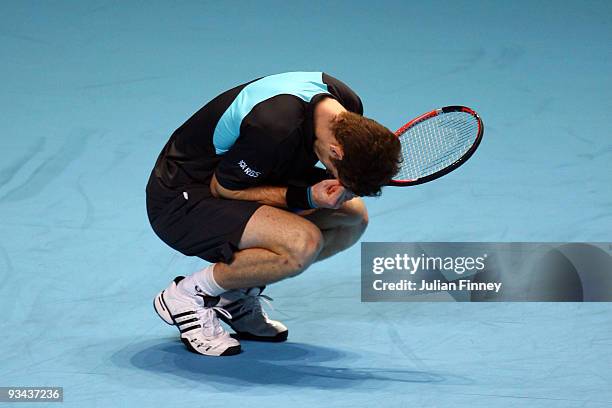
(330, 194)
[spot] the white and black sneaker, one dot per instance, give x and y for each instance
(247, 318)
(195, 317)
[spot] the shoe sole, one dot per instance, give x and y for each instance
(161, 308)
(230, 351)
(279, 338)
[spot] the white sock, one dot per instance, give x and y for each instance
(203, 280)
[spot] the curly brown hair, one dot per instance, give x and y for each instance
(371, 153)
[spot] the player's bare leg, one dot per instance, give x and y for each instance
(275, 244)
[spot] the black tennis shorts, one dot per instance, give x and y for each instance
(195, 223)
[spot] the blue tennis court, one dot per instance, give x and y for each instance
(91, 93)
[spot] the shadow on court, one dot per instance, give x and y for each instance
(290, 364)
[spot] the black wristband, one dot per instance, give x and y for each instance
(298, 197)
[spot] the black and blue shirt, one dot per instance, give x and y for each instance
(258, 133)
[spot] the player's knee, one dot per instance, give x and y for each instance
(304, 249)
(307, 246)
(357, 211)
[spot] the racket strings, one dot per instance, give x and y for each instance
(436, 143)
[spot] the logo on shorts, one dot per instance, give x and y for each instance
(247, 170)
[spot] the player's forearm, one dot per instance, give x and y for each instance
(269, 195)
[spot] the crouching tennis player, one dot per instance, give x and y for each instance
(237, 185)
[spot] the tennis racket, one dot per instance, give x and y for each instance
(436, 143)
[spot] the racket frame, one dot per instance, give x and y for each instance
(454, 165)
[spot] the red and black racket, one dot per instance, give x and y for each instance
(437, 143)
